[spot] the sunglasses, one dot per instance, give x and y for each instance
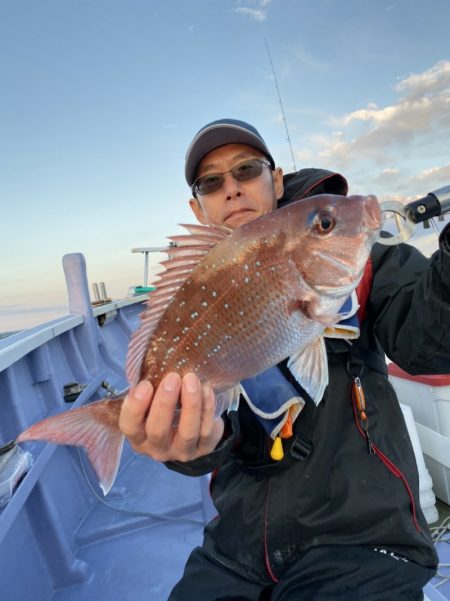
(242, 172)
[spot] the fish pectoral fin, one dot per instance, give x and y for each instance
(228, 400)
(93, 427)
(309, 367)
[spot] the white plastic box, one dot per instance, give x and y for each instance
(429, 399)
(427, 497)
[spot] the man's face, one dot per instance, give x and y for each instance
(236, 202)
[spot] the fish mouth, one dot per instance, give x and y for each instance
(373, 218)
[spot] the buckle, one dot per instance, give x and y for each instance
(301, 448)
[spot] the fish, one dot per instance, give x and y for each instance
(231, 304)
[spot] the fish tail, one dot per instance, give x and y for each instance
(94, 427)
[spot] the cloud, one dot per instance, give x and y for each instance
(432, 81)
(253, 13)
(434, 175)
(258, 14)
(20, 309)
(388, 175)
(410, 132)
(14, 318)
(427, 243)
(423, 110)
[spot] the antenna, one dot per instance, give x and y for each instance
(281, 104)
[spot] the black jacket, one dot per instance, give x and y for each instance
(330, 489)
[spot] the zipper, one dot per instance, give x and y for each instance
(266, 546)
(362, 423)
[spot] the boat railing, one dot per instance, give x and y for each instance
(86, 348)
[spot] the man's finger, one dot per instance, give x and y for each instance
(211, 429)
(159, 428)
(208, 413)
(134, 411)
(190, 417)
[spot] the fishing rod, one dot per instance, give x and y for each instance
(281, 103)
(434, 204)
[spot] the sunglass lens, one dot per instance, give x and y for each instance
(210, 183)
(247, 170)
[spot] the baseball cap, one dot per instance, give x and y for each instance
(218, 133)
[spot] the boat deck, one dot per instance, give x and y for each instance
(134, 543)
(439, 588)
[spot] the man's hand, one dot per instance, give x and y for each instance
(147, 416)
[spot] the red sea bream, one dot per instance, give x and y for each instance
(231, 304)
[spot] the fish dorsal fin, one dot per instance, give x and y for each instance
(184, 256)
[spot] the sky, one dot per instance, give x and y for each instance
(99, 100)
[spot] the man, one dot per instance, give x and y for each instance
(338, 518)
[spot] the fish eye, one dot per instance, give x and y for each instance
(324, 223)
